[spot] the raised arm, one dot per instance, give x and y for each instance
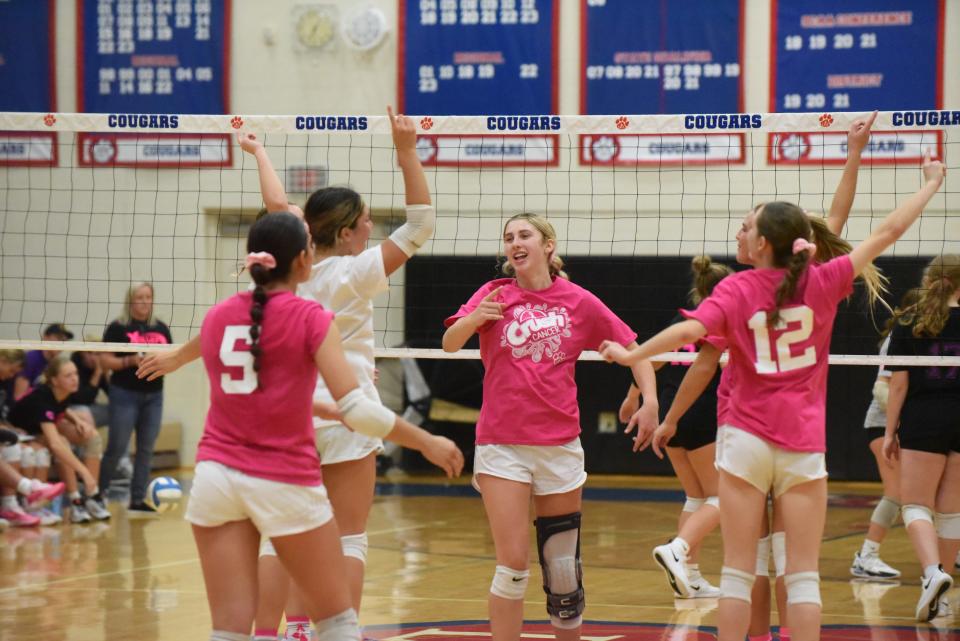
(421, 218)
(842, 202)
(688, 331)
(900, 219)
(271, 189)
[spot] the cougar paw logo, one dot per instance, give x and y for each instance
(826, 120)
(623, 122)
(236, 122)
(49, 119)
(426, 123)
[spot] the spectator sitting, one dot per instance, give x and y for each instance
(37, 359)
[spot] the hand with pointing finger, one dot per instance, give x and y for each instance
(488, 309)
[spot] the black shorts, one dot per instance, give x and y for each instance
(941, 438)
(927, 426)
(873, 433)
(692, 436)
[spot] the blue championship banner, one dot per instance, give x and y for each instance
(651, 57)
(28, 77)
(153, 57)
(474, 57)
(856, 55)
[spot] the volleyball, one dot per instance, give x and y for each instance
(163, 493)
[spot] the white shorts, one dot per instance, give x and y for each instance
(339, 444)
(550, 469)
(221, 494)
(764, 465)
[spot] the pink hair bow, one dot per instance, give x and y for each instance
(261, 258)
(804, 245)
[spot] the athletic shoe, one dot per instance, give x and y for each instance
(18, 518)
(47, 517)
(96, 508)
(674, 567)
(872, 566)
(78, 513)
(700, 588)
(943, 608)
(141, 511)
(44, 492)
(932, 589)
(4, 524)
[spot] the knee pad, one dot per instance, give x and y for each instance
(509, 583)
(913, 513)
(885, 514)
(355, 546)
(778, 544)
(93, 448)
(692, 505)
(948, 525)
(340, 626)
(28, 457)
(43, 457)
(558, 546)
(736, 584)
(12, 453)
(266, 547)
(714, 501)
(763, 556)
(803, 587)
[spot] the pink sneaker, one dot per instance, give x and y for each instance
(45, 492)
(18, 518)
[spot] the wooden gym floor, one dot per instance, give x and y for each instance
(429, 569)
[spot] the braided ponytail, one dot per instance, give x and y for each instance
(274, 242)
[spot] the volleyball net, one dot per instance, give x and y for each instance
(94, 202)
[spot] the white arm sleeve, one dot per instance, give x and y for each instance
(366, 416)
(411, 236)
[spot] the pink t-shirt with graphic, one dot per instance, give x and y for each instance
(263, 430)
(781, 374)
(529, 392)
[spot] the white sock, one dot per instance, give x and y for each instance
(75, 495)
(10, 503)
(25, 486)
(930, 570)
(870, 548)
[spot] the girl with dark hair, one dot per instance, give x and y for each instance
(345, 278)
(533, 326)
(777, 320)
(689, 439)
(922, 408)
(826, 236)
(258, 473)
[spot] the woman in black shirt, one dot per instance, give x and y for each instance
(923, 414)
(43, 413)
(135, 403)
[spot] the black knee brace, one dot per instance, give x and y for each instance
(568, 604)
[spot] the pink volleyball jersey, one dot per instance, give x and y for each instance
(781, 373)
(261, 423)
(529, 392)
